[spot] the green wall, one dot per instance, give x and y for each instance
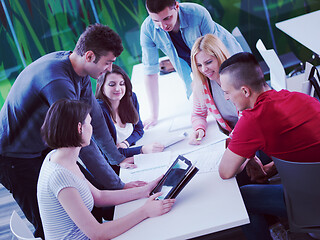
(43, 26)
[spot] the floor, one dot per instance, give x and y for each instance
(7, 205)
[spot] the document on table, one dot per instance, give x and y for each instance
(180, 122)
(172, 138)
(207, 158)
(149, 167)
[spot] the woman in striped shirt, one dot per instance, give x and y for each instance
(66, 198)
(207, 54)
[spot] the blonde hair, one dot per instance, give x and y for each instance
(213, 46)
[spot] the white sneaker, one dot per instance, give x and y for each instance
(278, 232)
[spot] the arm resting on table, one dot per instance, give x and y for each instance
(231, 164)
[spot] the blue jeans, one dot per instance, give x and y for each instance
(262, 200)
(20, 177)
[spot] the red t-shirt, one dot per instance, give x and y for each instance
(283, 124)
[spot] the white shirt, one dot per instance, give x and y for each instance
(123, 132)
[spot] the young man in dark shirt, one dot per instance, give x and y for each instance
(57, 75)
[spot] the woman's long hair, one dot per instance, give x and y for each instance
(126, 110)
(213, 46)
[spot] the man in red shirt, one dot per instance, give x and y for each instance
(282, 124)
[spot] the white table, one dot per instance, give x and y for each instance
(207, 204)
(304, 29)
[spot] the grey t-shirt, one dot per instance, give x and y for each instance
(226, 108)
(57, 223)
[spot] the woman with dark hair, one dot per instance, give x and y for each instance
(121, 111)
(66, 198)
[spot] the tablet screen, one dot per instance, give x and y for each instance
(173, 177)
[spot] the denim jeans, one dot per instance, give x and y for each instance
(262, 200)
(20, 177)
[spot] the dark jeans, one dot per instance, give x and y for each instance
(20, 177)
(262, 200)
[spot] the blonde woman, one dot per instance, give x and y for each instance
(207, 54)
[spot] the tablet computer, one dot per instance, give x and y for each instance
(176, 178)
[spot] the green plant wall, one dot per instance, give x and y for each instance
(43, 26)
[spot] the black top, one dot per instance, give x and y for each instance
(181, 47)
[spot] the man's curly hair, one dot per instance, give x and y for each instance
(100, 39)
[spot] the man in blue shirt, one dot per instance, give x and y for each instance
(173, 28)
(57, 75)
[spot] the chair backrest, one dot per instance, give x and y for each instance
(277, 72)
(302, 194)
(313, 78)
(241, 40)
(306, 85)
(19, 229)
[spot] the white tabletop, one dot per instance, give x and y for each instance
(172, 93)
(305, 29)
(207, 204)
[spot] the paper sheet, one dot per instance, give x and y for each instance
(207, 159)
(181, 122)
(172, 139)
(149, 167)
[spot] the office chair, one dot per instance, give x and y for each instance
(19, 229)
(277, 73)
(311, 87)
(278, 77)
(246, 48)
(302, 194)
(241, 40)
(287, 60)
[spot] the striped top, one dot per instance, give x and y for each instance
(227, 109)
(200, 111)
(56, 222)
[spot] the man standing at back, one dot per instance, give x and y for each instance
(57, 75)
(173, 28)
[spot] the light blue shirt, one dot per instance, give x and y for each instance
(195, 21)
